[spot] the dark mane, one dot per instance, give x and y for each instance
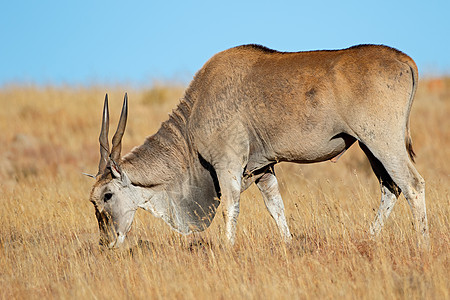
(176, 124)
(169, 147)
(363, 46)
(267, 50)
(259, 48)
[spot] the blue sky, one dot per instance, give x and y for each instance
(137, 42)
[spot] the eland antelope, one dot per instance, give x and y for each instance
(249, 108)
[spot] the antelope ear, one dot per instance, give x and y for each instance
(125, 179)
(115, 169)
(117, 172)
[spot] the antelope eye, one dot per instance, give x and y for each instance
(107, 197)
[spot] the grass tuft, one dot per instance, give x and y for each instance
(49, 234)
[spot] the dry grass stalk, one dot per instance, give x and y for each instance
(49, 235)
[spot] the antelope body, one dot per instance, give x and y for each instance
(249, 108)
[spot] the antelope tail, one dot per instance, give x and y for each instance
(415, 81)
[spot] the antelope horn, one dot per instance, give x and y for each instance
(117, 138)
(103, 138)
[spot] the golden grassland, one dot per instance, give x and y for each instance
(49, 234)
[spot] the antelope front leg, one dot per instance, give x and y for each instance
(231, 215)
(230, 186)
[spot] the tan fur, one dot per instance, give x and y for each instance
(251, 107)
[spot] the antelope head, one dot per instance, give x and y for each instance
(113, 195)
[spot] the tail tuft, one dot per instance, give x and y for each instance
(410, 149)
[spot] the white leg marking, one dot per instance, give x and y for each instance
(388, 200)
(231, 190)
(416, 199)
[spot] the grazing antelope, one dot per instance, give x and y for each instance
(249, 108)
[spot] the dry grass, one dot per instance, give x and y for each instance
(48, 231)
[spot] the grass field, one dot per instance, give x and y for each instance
(49, 233)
